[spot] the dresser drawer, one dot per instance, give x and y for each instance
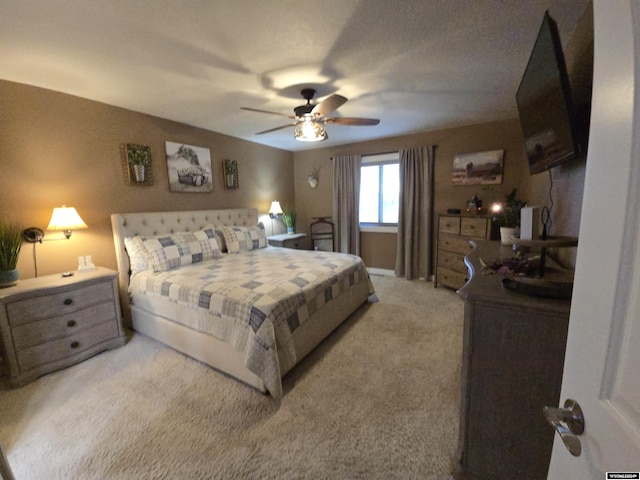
(62, 326)
(452, 261)
(452, 279)
(454, 243)
(473, 227)
(449, 225)
(63, 348)
(37, 308)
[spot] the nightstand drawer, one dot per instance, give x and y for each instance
(473, 227)
(63, 325)
(288, 240)
(63, 348)
(451, 279)
(449, 225)
(454, 243)
(37, 308)
(452, 261)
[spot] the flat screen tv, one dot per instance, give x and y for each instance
(545, 105)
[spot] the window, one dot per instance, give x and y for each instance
(379, 190)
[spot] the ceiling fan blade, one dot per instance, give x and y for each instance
(352, 121)
(267, 111)
(329, 104)
(277, 128)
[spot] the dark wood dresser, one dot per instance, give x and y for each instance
(513, 357)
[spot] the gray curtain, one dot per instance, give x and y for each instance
(346, 200)
(415, 218)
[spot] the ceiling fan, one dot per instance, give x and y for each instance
(310, 119)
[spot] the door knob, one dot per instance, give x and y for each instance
(569, 423)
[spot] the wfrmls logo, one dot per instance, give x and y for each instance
(623, 475)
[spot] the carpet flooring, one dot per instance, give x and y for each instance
(378, 399)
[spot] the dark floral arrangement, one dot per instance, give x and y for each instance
(509, 267)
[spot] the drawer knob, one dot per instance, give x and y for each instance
(75, 344)
(71, 323)
(68, 301)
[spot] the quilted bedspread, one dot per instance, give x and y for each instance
(256, 300)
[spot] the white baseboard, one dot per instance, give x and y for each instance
(381, 272)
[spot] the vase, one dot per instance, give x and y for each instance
(290, 230)
(507, 234)
(9, 278)
(138, 173)
(231, 180)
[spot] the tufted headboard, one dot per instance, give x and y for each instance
(156, 223)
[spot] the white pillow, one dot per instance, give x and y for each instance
(138, 256)
(244, 239)
(166, 252)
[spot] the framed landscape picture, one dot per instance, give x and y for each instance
(189, 168)
(481, 168)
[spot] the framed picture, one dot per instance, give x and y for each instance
(230, 171)
(481, 168)
(189, 168)
(136, 163)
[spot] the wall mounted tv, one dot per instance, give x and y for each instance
(545, 105)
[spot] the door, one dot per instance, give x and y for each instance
(603, 356)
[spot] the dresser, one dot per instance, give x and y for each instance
(454, 234)
(512, 364)
(51, 322)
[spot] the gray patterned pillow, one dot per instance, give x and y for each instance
(178, 249)
(244, 239)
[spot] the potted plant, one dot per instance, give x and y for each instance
(10, 243)
(508, 216)
(139, 157)
(289, 218)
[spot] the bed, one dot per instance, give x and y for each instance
(252, 314)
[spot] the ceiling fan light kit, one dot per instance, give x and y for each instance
(309, 130)
(310, 119)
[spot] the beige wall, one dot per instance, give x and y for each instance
(376, 249)
(503, 135)
(58, 149)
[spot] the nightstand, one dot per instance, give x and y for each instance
(288, 240)
(51, 322)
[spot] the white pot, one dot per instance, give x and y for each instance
(138, 173)
(507, 234)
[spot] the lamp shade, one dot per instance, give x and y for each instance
(309, 130)
(65, 218)
(275, 209)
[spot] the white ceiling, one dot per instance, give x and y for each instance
(417, 65)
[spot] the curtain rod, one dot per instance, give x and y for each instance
(385, 153)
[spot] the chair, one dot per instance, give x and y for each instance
(322, 234)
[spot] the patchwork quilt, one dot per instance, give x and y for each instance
(256, 300)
